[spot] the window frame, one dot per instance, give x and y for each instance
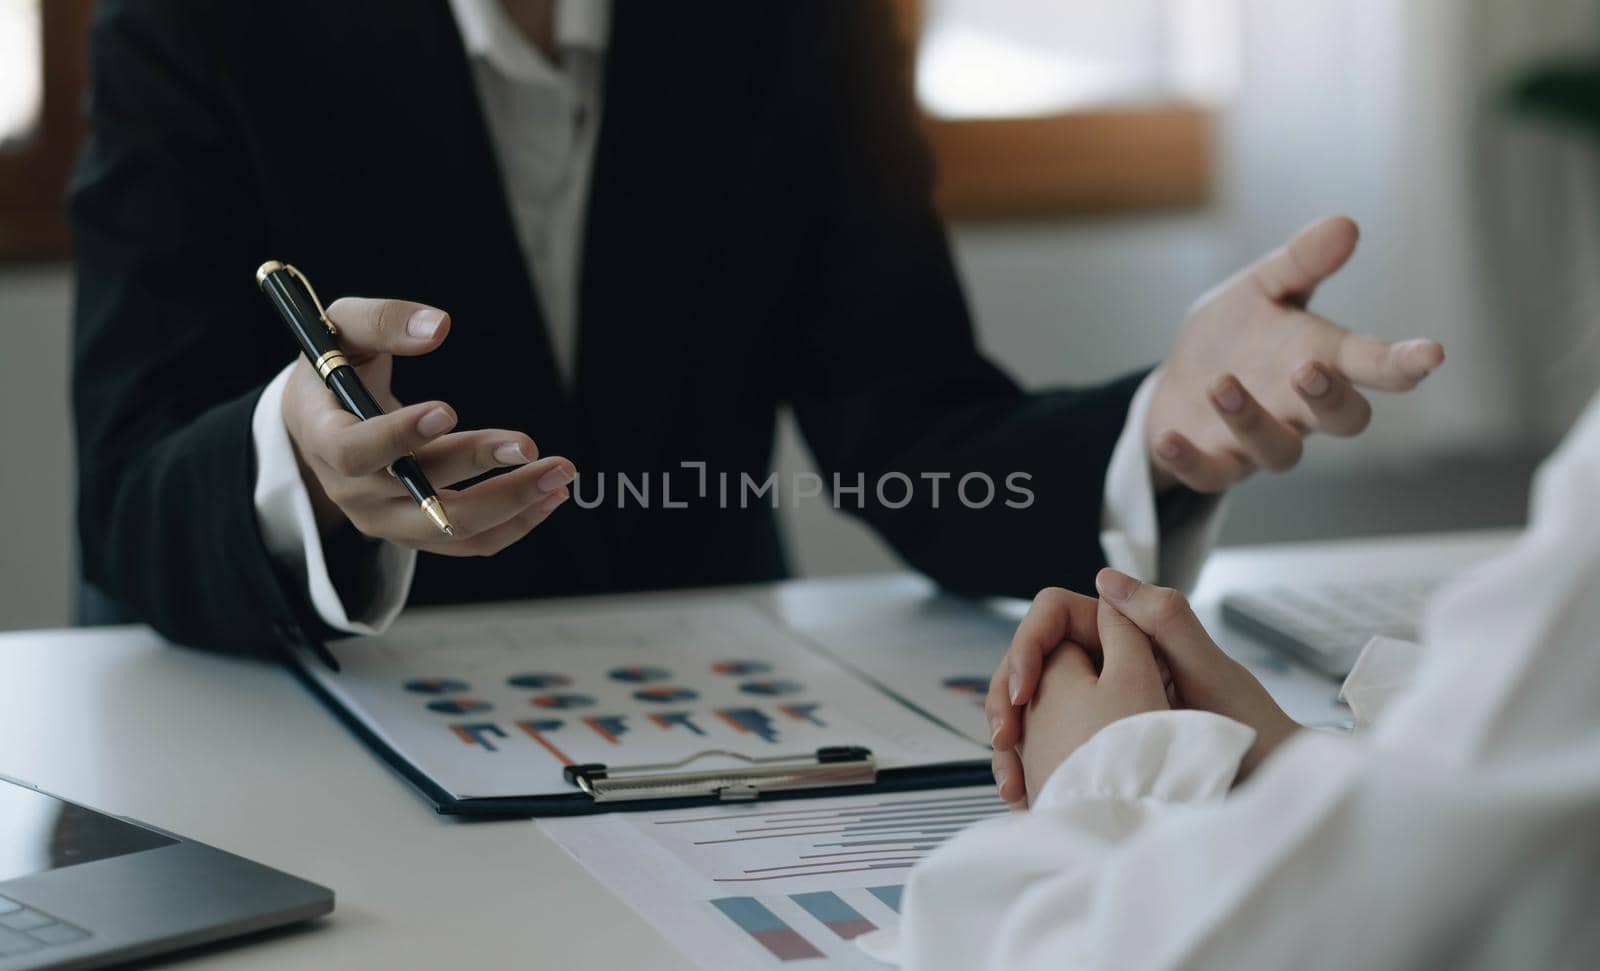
(1136, 159)
(34, 174)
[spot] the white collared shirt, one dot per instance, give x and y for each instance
(543, 118)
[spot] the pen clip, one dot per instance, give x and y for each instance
(323, 314)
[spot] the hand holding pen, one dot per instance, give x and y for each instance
(345, 461)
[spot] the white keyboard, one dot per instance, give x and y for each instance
(1327, 625)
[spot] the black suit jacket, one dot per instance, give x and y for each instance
(759, 233)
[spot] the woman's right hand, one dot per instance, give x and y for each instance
(1203, 676)
(344, 461)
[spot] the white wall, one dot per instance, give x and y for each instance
(35, 448)
(1385, 111)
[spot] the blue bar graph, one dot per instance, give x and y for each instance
(479, 733)
(769, 930)
(840, 917)
(670, 719)
(889, 895)
(750, 720)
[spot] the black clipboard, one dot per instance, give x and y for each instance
(579, 803)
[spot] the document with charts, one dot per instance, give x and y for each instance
(772, 885)
(493, 704)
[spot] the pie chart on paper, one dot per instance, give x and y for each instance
(557, 702)
(538, 681)
(740, 668)
(771, 687)
(639, 674)
(458, 706)
(666, 694)
(436, 686)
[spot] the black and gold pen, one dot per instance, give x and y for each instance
(291, 293)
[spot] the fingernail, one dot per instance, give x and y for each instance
(1313, 381)
(1228, 395)
(1168, 449)
(424, 324)
(1014, 686)
(554, 499)
(434, 423)
(510, 454)
(556, 478)
(1421, 348)
(1000, 780)
(994, 729)
(1117, 585)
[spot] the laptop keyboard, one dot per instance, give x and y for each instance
(1327, 625)
(24, 930)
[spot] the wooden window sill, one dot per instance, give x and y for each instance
(1115, 160)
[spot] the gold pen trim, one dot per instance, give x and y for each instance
(265, 270)
(328, 361)
(272, 266)
(435, 510)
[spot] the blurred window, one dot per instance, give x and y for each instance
(43, 72)
(1045, 108)
(1016, 58)
(21, 71)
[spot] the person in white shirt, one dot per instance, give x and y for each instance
(1176, 818)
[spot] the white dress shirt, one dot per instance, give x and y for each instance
(543, 119)
(1459, 827)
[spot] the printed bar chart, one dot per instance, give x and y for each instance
(479, 733)
(609, 727)
(676, 719)
(839, 917)
(889, 895)
(536, 730)
(753, 721)
(804, 712)
(769, 930)
(779, 894)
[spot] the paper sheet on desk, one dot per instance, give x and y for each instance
(495, 704)
(938, 655)
(1307, 696)
(758, 886)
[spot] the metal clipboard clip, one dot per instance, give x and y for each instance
(839, 765)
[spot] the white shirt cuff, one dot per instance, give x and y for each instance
(1132, 535)
(1386, 670)
(1183, 756)
(289, 528)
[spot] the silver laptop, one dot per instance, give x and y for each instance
(1327, 625)
(80, 889)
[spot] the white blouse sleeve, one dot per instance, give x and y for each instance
(1460, 832)
(1131, 774)
(1138, 537)
(289, 529)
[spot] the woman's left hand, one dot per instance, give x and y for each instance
(1074, 701)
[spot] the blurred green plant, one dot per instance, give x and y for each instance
(1564, 91)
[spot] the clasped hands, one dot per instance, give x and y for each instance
(1077, 664)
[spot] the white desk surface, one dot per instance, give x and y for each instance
(237, 754)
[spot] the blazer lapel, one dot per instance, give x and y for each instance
(405, 117)
(654, 222)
